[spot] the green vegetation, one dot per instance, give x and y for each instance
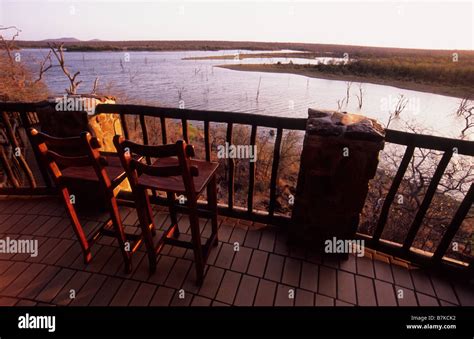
(419, 69)
(437, 75)
(241, 56)
(328, 50)
(99, 46)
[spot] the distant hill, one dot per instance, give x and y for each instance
(62, 40)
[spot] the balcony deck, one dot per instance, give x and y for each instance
(261, 273)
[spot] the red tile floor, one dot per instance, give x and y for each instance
(263, 272)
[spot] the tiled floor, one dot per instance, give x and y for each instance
(252, 265)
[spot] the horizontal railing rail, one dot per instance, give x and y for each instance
(405, 250)
(410, 140)
(211, 116)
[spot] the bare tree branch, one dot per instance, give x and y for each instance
(348, 91)
(58, 51)
(360, 96)
(44, 69)
(96, 85)
(466, 111)
(401, 105)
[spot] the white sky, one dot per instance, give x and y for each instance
(421, 24)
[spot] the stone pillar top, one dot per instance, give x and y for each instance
(344, 125)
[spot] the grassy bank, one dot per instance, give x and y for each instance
(165, 45)
(241, 56)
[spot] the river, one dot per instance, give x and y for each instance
(164, 78)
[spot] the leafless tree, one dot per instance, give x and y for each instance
(180, 93)
(399, 108)
(348, 91)
(466, 112)
(360, 95)
(132, 76)
(401, 105)
(58, 52)
(258, 88)
(340, 104)
(96, 85)
(43, 67)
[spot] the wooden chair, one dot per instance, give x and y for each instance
(87, 164)
(173, 172)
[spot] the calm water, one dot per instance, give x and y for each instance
(164, 78)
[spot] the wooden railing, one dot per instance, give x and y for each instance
(405, 250)
(231, 119)
(410, 140)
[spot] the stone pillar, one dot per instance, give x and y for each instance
(69, 115)
(339, 157)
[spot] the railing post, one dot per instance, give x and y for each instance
(123, 122)
(144, 134)
(273, 179)
(339, 157)
(253, 138)
(184, 124)
(453, 227)
(230, 186)
(391, 194)
(430, 192)
(207, 142)
(164, 137)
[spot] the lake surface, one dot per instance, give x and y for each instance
(163, 78)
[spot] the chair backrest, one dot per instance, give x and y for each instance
(134, 166)
(55, 154)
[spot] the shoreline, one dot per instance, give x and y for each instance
(457, 92)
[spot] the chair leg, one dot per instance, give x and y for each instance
(212, 206)
(196, 240)
(150, 215)
(172, 210)
(143, 208)
(76, 225)
(120, 234)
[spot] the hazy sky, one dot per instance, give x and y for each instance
(422, 24)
